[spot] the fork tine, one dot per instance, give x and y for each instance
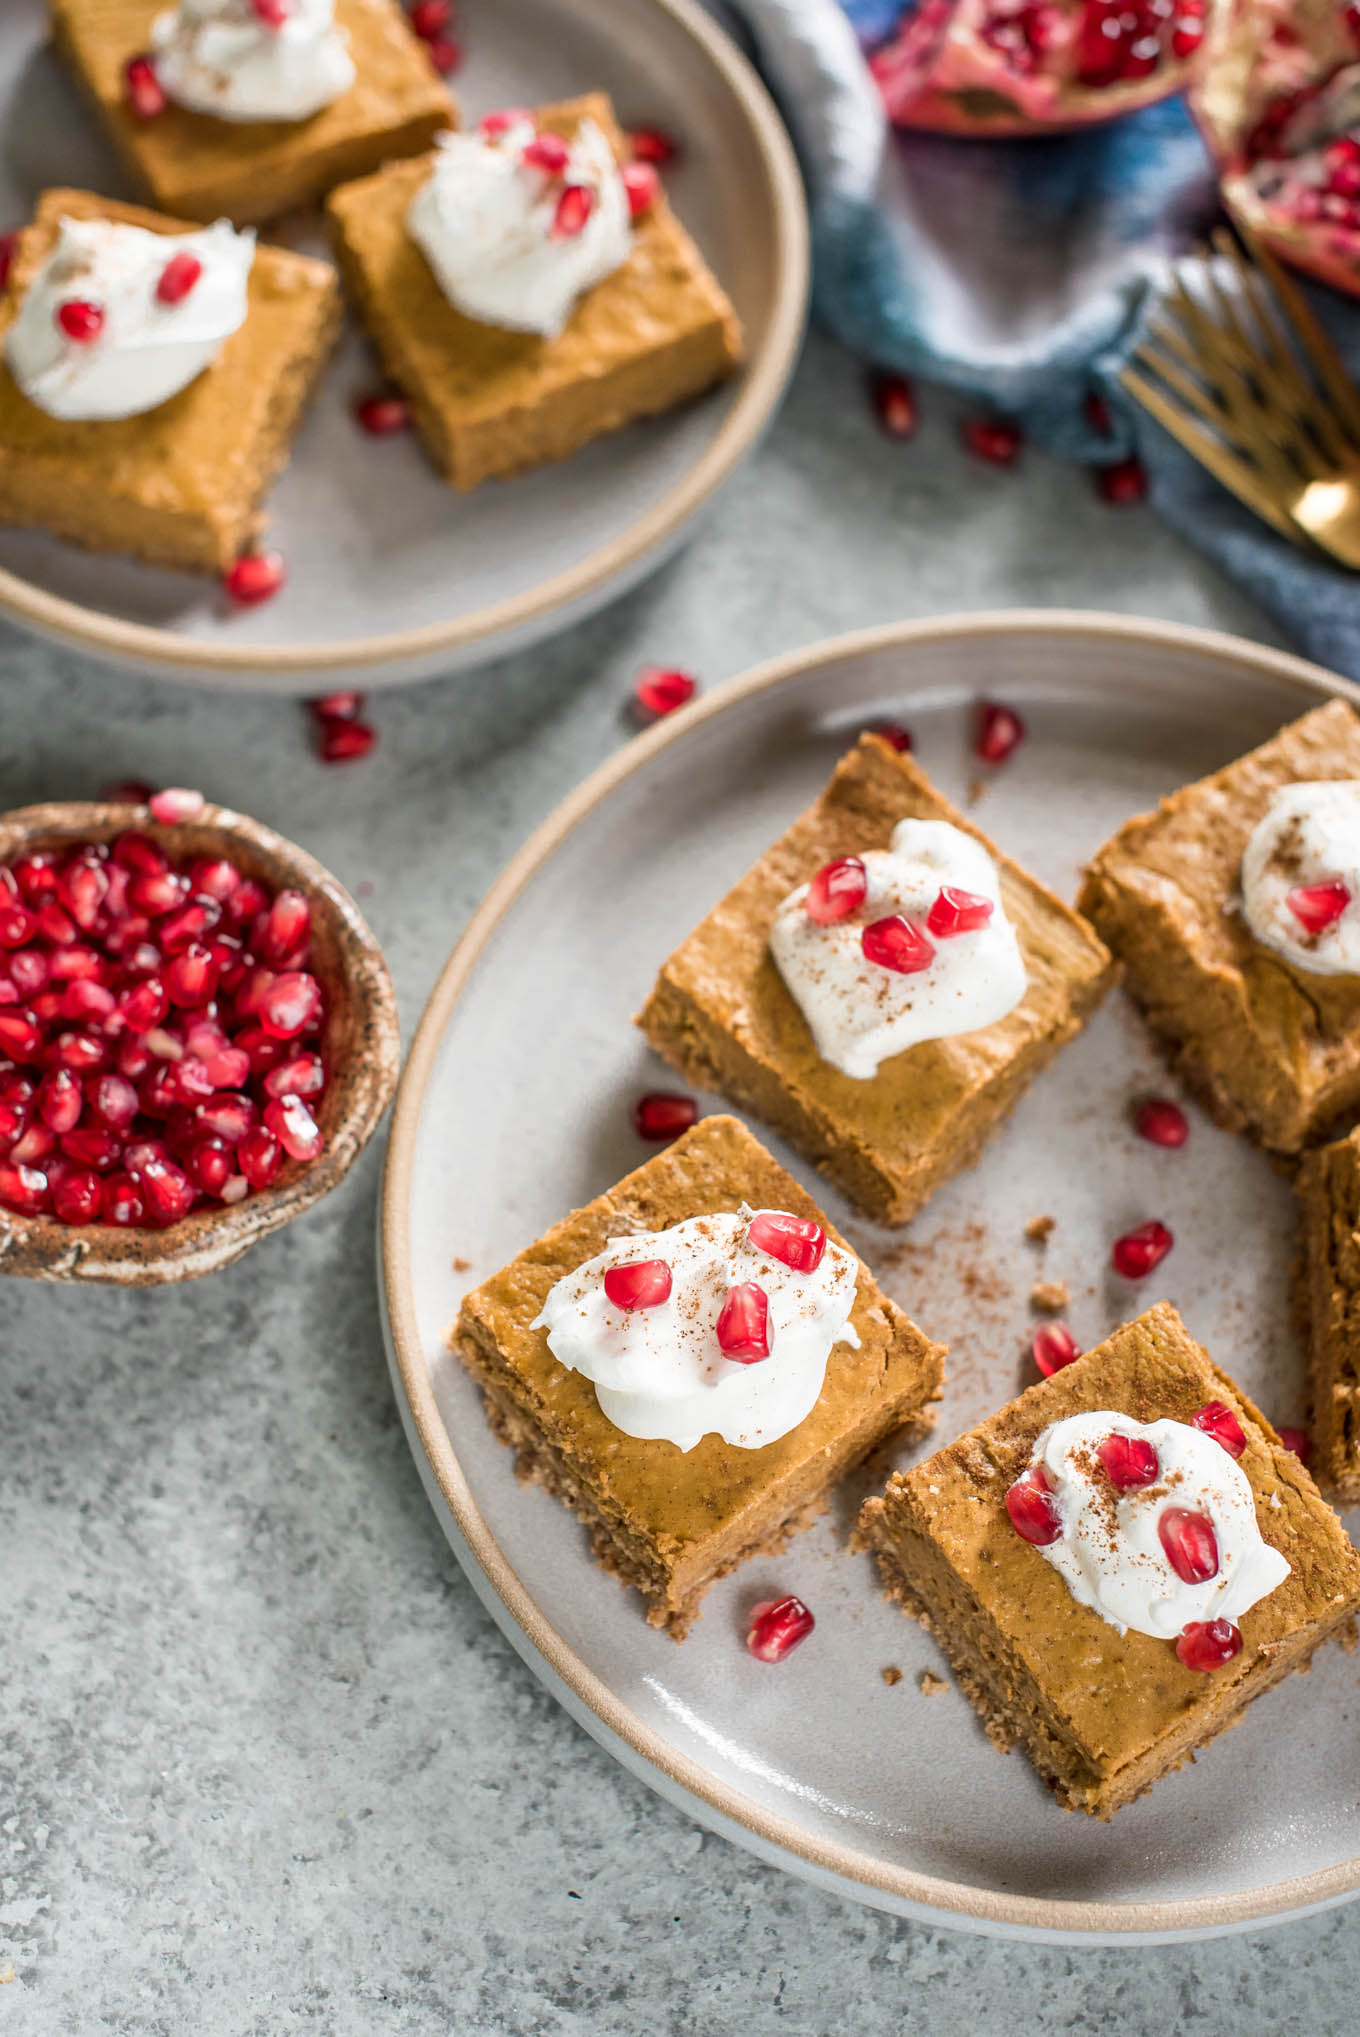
(1235, 474)
(1236, 412)
(1283, 372)
(1316, 344)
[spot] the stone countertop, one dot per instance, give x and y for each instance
(265, 1764)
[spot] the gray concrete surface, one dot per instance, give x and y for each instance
(265, 1765)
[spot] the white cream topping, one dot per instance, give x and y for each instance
(223, 57)
(484, 220)
(1110, 1552)
(145, 352)
(859, 1013)
(1308, 835)
(659, 1372)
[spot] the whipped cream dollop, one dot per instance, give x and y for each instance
(1110, 1551)
(488, 223)
(1307, 840)
(141, 350)
(238, 61)
(860, 1013)
(659, 1372)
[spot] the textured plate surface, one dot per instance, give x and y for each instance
(390, 572)
(514, 1108)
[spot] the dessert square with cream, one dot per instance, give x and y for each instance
(529, 289)
(692, 1363)
(245, 109)
(152, 376)
(1329, 1293)
(1117, 1563)
(1235, 910)
(881, 988)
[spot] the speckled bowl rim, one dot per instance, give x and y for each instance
(847, 1869)
(760, 389)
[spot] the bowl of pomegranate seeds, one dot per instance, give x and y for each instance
(198, 1036)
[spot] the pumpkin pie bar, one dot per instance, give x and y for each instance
(692, 1362)
(1329, 1192)
(179, 484)
(1117, 1563)
(199, 165)
(985, 1018)
(1262, 1020)
(490, 401)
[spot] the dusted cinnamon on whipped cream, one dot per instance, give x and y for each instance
(1301, 876)
(252, 59)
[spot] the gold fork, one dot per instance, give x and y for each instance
(1282, 415)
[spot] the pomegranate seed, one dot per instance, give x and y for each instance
(273, 13)
(999, 732)
(260, 1157)
(247, 902)
(1033, 1510)
(958, 912)
(1162, 1122)
(36, 878)
(547, 152)
(191, 978)
(1139, 1251)
(20, 1038)
(83, 888)
(776, 1626)
(178, 277)
(81, 321)
(140, 853)
(444, 53)
(285, 930)
(643, 1284)
(496, 123)
(145, 1005)
(235, 1189)
(658, 691)
(381, 417)
(226, 1116)
(23, 1190)
(838, 889)
(9, 243)
(743, 1325)
(994, 439)
(255, 577)
(75, 963)
(293, 1125)
(430, 18)
(176, 804)
(17, 926)
(574, 208)
(1299, 1441)
(1190, 1543)
(34, 1145)
(167, 1190)
(213, 877)
(143, 1153)
(13, 1123)
(190, 1081)
(1098, 413)
(661, 1115)
(158, 1094)
(894, 402)
(894, 943)
(895, 736)
(1054, 1346)
(28, 972)
(113, 1100)
(292, 1004)
(93, 1146)
(123, 1202)
(78, 1050)
(1130, 1461)
(793, 1241)
(304, 1075)
(1122, 482)
(642, 187)
(344, 742)
(1208, 1644)
(127, 792)
(653, 145)
(347, 706)
(1318, 906)
(264, 1053)
(211, 1165)
(143, 92)
(187, 924)
(84, 999)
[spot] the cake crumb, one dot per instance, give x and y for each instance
(1049, 1297)
(891, 1675)
(1040, 1229)
(930, 1684)
(460, 1264)
(976, 790)
(1348, 1636)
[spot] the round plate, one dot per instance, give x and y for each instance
(514, 1109)
(391, 575)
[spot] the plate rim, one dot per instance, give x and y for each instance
(763, 381)
(677, 1775)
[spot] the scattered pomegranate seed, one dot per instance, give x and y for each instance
(574, 208)
(643, 188)
(894, 943)
(1299, 1441)
(143, 92)
(273, 13)
(445, 54)
(547, 152)
(793, 1241)
(1208, 1644)
(344, 742)
(1139, 1251)
(999, 731)
(838, 889)
(653, 145)
(776, 1626)
(1190, 1543)
(430, 18)
(894, 402)
(80, 321)
(503, 117)
(1122, 482)
(1033, 1510)
(659, 690)
(957, 912)
(254, 578)
(383, 416)
(994, 439)
(659, 1116)
(347, 706)
(1098, 413)
(645, 1283)
(1161, 1122)
(1130, 1461)
(178, 277)
(1054, 1346)
(1318, 906)
(9, 243)
(176, 804)
(743, 1325)
(895, 735)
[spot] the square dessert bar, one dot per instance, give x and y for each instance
(489, 402)
(1267, 1050)
(1329, 1192)
(1101, 1714)
(203, 168)
(179, 485)
(720, 1011)
(666, 1521)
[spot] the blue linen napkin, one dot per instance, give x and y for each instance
(1019, 273)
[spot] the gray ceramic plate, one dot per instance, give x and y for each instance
(391, 575)
(514, 1108)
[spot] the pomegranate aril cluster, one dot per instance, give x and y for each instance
(159, 1034)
